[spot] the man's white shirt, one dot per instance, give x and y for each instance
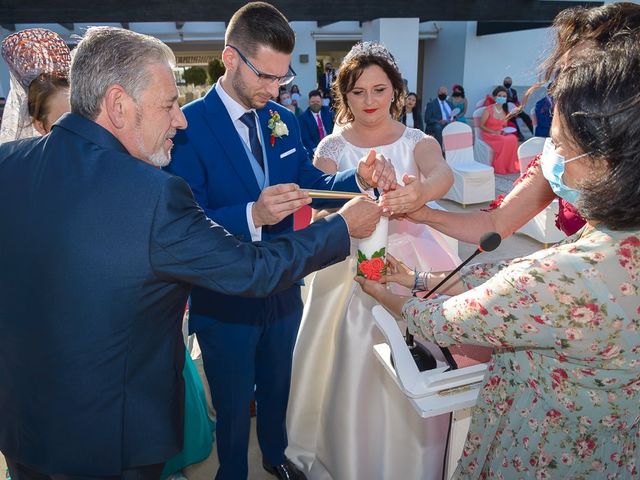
(235, 111)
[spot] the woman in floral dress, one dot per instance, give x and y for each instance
(561, 398)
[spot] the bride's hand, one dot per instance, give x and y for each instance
(404, 199)
(398, 272)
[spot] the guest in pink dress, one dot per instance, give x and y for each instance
(504, 145)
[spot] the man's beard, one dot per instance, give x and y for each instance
(241, 91)
(159, 158)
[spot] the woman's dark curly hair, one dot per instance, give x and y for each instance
(596, 91)
(361, 56)
(580, 27)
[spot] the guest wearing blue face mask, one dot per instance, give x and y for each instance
(553, 166)
(562, 396)
(504, 145)
(285, 100)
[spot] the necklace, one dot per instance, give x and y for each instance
(497, 108)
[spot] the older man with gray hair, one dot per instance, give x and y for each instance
(99, 250)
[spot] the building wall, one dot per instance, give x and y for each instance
(306, 78)
(443, 59)
(400, 37)
(490, 58)
(480, 63)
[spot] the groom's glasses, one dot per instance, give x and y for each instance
(265, 77)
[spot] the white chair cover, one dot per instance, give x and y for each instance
(482, 152)
(542, 227)
(473, 182)
(528, 151)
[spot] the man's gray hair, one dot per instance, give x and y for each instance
(109, 56)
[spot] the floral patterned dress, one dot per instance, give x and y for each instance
(561, 398)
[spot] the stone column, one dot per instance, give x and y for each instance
(400, 36)
(303, 60)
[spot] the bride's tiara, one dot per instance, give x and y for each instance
(371, 49)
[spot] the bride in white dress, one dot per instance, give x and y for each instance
(347, 419)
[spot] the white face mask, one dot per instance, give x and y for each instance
(552, 164)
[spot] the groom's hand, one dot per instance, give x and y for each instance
(277, 202)
(377, 171)
(362, 215)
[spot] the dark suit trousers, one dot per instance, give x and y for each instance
(527, 121)
(436, 131)
(22, 472)
(239, 357)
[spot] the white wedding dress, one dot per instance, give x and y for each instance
(347, 419)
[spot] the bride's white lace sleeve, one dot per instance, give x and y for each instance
(331, 147)
(415, 136)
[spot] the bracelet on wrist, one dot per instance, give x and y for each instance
(362, 182)
(415, 289)
(421, 281)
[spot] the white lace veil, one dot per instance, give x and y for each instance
(16, 122)
(28, 54)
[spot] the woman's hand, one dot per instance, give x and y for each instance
(390, 301)
(398, 272)
(408, 198)
(377, 171)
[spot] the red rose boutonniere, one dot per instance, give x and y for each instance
(277, 126)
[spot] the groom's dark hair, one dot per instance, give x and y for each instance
(258, 23)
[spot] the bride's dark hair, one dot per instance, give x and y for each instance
(361, 56)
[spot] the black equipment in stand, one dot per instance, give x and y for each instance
(421, 355)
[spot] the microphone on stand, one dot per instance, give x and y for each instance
(421, 355)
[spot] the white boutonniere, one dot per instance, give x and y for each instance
(278, 128)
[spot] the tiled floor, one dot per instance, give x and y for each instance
(514, 246)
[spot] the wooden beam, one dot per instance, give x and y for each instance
(8, 26)
(489, 28)
(125, 25)
(179, 25)
(69, 26)
(28, 11)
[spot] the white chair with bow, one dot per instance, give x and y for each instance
(482, 152)
(473, 182)
(542, 227)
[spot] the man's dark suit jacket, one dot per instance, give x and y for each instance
(98, 252)
(324, 85)
(433, 115)
(512, 96)
(309, 128)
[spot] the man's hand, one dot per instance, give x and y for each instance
(277, 202)
(404, 199)
(362, 215)
(377, 171)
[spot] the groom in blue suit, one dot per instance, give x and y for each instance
(236, 150)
